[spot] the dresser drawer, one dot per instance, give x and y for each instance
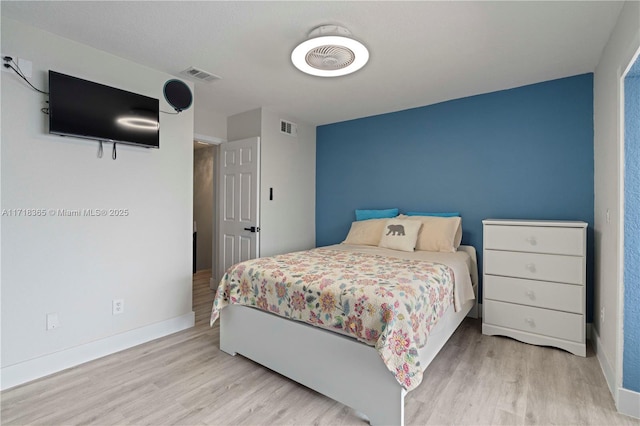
(535, 239)
(547, 322)
(541, 294)
(543, 267)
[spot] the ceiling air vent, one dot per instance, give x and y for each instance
(288, 128)
(199, 75)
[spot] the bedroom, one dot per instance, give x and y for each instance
(75, 268)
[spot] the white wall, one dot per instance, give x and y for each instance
(209, 123)
(622, 45)
(288, 165)
(75, 266)
(244, 125)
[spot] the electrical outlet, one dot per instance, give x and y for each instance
(53, 321)
(608, 214)
(26, 67)
(118, 306)
(602, 315)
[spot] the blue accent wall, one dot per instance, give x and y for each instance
(521, 153)
(631, 350)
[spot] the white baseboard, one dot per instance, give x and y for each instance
(628, 403)
(17, 374)
(605, 365)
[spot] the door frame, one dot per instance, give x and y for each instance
(218, 269)
(215, 142)
(622, 404)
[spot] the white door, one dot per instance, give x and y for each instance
(239, 211)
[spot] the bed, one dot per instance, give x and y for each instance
(339, 358)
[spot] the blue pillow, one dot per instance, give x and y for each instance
(451, 214)
(376, 214)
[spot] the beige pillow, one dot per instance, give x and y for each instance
(399, 234)
(438, 233)
(365, 232)
(458, 239)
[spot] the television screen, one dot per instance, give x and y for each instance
(91, 110)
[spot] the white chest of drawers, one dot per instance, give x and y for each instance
(534, 282)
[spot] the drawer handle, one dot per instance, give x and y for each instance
(531, 267)
(531, 295)
(532, 240)
(530, 321)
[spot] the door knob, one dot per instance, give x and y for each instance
(253, 229)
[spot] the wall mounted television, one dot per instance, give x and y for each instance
(89, 110)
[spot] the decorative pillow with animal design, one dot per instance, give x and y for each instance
(400, 234)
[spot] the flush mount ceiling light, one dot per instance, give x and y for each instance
(330, 52)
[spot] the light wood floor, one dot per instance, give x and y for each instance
(185, 379)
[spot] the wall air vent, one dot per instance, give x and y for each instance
(199, 75)
(288, 128)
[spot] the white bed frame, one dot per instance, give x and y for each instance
(308, 355)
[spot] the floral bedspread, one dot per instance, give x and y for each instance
(385, 302)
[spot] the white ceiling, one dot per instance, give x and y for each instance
(421, 52)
